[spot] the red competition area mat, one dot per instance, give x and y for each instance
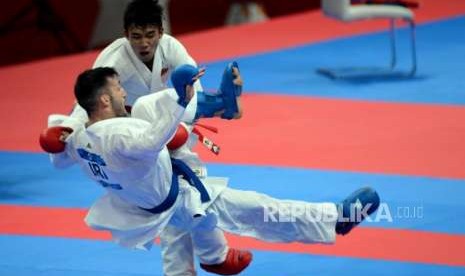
(371, 243)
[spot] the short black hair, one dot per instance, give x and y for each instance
(143, 13)
(89, 86)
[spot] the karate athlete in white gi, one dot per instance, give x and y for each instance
(148, 191)
(145, 58)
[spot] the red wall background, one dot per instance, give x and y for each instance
(34, 29)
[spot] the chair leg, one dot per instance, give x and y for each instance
(413, 48)
(339, 74)
(393, 43)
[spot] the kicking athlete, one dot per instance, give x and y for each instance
(148, 192)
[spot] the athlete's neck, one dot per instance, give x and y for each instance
(100, 116)
(149, 64)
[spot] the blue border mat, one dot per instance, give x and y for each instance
(23, 256)
(439, 80)
(419, 203)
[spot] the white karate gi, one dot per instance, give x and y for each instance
(137, 79)
(136, 159)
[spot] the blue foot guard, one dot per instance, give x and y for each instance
(355, 208)
(225, 99)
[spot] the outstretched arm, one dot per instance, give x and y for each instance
(163, 113)
(163, 110)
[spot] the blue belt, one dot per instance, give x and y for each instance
(180, 168)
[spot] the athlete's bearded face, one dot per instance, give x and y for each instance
(117, 97)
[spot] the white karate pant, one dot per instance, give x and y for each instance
(245, 213)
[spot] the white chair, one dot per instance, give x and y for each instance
(343, 10)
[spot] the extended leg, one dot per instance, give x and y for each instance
(266, 218)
